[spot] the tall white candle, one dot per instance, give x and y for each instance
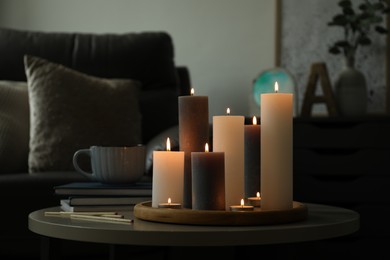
(168, 176)
(276, 150)
(228, 137)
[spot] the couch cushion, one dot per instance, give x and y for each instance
(14, 126)
(147, 57)
(70, 110)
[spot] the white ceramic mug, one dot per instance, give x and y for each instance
(113, 164)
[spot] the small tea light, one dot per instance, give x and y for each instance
(241, 207)
(169, 205)
(255, 201)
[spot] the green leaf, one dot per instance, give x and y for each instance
(364, 16)
(376, 19)
(362, 7)
(348, 11)
(364, 40)
(342, 44)
(378, 6)
(334, 50)
(381, 29)
(345, 3)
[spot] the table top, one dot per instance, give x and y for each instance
(324, 221)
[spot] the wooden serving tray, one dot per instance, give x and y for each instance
(145, 211)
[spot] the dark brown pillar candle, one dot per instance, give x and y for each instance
(193, 134)
(208, 180)
(252, 159)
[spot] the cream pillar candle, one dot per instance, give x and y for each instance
(193, 134)
(168, 172)
(276, 150)
(228, 137)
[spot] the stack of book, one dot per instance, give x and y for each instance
(96, 196)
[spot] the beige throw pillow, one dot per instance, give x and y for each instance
(70, 110)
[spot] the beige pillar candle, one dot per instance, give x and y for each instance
(228, 137)
(276, 150)
(168, 172)
(193, 134)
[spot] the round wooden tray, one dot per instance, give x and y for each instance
(145, 211)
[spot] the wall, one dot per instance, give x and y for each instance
(305, 40)
(225, 43)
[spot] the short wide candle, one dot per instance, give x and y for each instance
(168, 171)
(208, 180)
(276, 151)
(255, 201)
(169, 205)
(241, 207)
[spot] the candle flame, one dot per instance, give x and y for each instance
(242, 202)
(168, 144)
(206, 148)
(258, 195)
(254, 120)
(228, 111)
(276, 87)
(192, 91)
(169, 200)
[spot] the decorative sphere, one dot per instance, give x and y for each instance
(265, 82)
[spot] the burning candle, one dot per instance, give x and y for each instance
(169, 205)
(208, 180)
(193, 134)
(168, 172)
(276, 150)
(241, 207)
(255, 201)
(228, 137)
(252, 158)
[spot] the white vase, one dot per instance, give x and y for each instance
(351, 90)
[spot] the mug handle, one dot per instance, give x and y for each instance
(76, 165)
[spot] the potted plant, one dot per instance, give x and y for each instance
(358, 26)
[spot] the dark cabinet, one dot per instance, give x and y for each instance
(346, 162)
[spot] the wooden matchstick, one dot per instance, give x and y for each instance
(101, 219)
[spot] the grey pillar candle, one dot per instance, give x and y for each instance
(208, 180)
(252, 158)
(193, 134)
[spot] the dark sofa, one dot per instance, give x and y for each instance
(145, 56)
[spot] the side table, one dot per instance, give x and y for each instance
(323, 222)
